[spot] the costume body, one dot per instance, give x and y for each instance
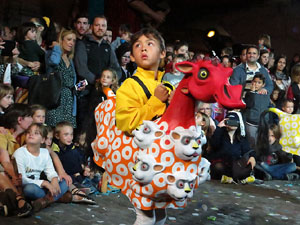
(160, 165)
(66, 111)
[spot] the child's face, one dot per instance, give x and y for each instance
(264, 58)
(49, 139)
(24, 122)
(106, 78)
(146, 53)
(257, 84)
(39, 116)
(176, 60)
(6, 101)
(272, 138)
(65, 135)
(31, 35)
(275, 95)
(184, 50)
(33, 136)
(288, 107)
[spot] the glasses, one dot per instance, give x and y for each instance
(125, 56)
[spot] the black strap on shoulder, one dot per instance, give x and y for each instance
(146, 90)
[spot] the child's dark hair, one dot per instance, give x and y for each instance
(286, 101)
(48, 129)
(13, 113)
(5, 89)
(260, 76)
(124, 28)
(149, 33)
(23, 29)
(36, 107)
(62, 124)
(253, 46)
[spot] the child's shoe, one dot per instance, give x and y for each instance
(248, 180)
(226, 180)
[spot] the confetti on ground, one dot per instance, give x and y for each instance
(277, 197)
(194, 200)
(250, 207)
(172, 218)
(288, 185)
(277, 186)
(205, 192)
(251, 196)
(284, 218)
(38, 217)
(273, 214)
(88, 209)
(214, 208)
(247, 210)
(197, 210)
(271, 198)
(213, 218)
(93, 216)
(204, 207)
(195, 214)
(100, 221)
(131, 209)
(59, 211)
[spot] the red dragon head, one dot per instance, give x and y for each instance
(209, 83)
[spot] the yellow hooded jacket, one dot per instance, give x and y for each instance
(132, 104)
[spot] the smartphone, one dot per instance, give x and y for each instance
(81, 84)
(8, 47)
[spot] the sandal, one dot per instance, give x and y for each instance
(84, 199)
(25, 210)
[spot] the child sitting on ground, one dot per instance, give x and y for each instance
(229, 147)
(6, 99)
(132, 104)
(273, 161)
(288, 106)
(32, 160)
(38, 113)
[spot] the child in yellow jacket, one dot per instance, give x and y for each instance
(132, 104)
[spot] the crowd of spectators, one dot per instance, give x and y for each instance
(54, 167)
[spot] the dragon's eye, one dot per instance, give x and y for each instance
(146, 130)
(198, 141)
(180, 184)
(185, 140)
(191, 184)
(144, 167)
(203, 73)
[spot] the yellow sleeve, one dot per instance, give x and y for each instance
(133, 107)
(3, 141)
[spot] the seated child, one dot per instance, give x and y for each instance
(6, 99)
(32, 160)
(255, 104)
(38, 113)
(229, 145)
(71, 157)
(272, 159)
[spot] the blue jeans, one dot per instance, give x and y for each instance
(33, 191)
(279, 171)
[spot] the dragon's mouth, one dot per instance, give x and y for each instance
(230, 96)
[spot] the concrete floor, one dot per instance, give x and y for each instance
(272, 203)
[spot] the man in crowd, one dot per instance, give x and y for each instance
(244, 73)
(92, 55)
(81, 25)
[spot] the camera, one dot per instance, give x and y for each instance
(81, 84)
(232, 123)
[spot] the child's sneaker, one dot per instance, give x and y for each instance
(226, 180)
(3, 210)
(248, 180)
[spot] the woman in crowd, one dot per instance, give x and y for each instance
(279, 73)
(60, 59)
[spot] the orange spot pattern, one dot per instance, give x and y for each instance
(116, 153)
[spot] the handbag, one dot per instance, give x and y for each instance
(45, 89)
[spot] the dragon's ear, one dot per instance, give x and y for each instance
(185, 67)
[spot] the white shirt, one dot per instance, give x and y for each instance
(31, 166)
